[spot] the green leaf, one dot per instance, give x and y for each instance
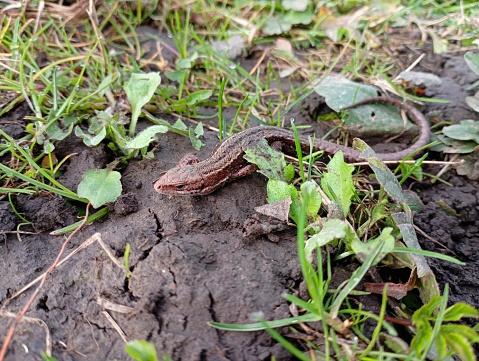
(460, 310)
(337, 183)
(376, 120)
(413, 201)
(91, 218)
(307, 306)
(141, 350)
(179, 124)
(139, 90)
(439, 44)
(184, 63)
(441, 347)
(104, 85)
(278, 190)
(199, 131)
(144, 138)
(295, 5)
(89, 140)
(126, 258)
(462, 330)
(461, 346)
(383, 174)
(55, 132)
(339, 92)
(175, 75)
(311, 189)
(362, 250)
(198, 96)
(405, 225)
(48, 147)
(470, 166)
(295, 207)
(289, 172)
(92, 140)
(45, 357)
(431, 254)
(100, 186)
(395, 343)
(472, 59)
(195, 141)
(465, 130)
(333, 229)
(276, 26)
(457, 146)
(473, 102)
(193, 99)
(424, 313)
(270, 162)
(421, 340)
(379, 212)
(297, 17)
(429, 287)
(354, 280)
(71, 119)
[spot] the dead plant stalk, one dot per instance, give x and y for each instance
(22, 313)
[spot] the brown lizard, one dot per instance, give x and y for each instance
(194, 177)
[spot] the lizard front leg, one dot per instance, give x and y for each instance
(247, 169)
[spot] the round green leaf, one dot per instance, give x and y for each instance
(100, 186)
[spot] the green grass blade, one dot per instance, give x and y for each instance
(422, 252)
(355, 278)
(259, 326)
(300, 355)
(92, 218)
(16, 190)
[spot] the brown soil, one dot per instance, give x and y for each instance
(190, 263)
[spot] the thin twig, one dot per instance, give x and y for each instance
(82, 246)
(11, 331)
(425, 235)
(411, 162)
(447, 166)
(115, 326)
(48, 337)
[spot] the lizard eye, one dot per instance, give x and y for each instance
(180, 187)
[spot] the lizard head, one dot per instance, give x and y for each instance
(181, 180)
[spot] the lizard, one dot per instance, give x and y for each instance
(226, 163)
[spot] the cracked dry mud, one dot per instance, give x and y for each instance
(190, 263)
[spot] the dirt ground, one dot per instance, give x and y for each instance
(190, 262)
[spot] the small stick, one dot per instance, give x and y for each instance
(22, 313)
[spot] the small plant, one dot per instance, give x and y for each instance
(374, 237)
(462, 139)
(141, 350)
(440, 340)
(292, 13)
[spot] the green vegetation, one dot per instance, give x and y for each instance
(384, 223)
(462, 140)
(98, 82)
